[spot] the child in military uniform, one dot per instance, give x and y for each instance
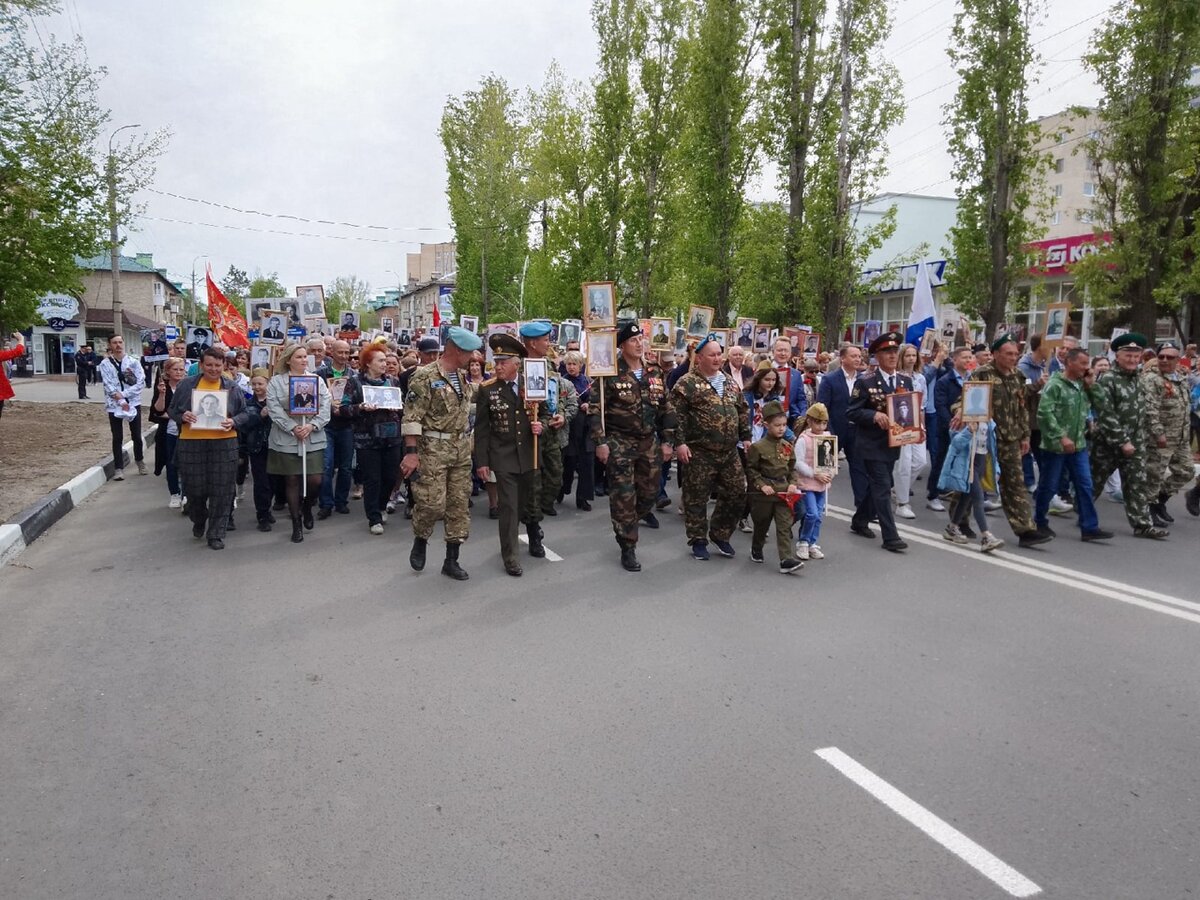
(769, 467)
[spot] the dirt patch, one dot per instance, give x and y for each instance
(43, 445)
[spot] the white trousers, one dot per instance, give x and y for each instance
(912, 460)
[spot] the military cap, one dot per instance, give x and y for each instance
(1006, 338)
(978, 348)
(889, 340)
(627, 330)
(819, 412)
(535, 329)
(1166, 345)
(463, 339)
(763, 366)
(428, 345)
(772, 409)
(505, 345)
(1131, 340)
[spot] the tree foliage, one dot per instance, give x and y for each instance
(263, 286)
(345, 292)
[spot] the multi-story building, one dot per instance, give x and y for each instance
(432, 262)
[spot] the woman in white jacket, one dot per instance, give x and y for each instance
(292, 434)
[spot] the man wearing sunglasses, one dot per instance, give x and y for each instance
(1168, 454)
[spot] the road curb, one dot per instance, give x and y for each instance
(36, 519)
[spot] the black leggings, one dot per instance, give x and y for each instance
(135, 432)
(291, 489)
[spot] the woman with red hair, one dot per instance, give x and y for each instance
(373, 402)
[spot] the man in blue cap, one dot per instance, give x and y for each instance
(560, 407)
(437, 449)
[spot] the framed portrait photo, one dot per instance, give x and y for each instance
(826, 457)
(272, 328)
(928, 340)
(976, 402)
(904, 409)
(303, 395)
(1058, 323)
(382, 396)
(762, 338)
(210, 408)
(337, 388)
(348, 324)
(680, 339)
(568, 332)
(262, 356)
(198, 340)
(600, 304)
(312, 300)
(722, 336)
(536, 382)
(700, 320)
(469, 323)
(602, 354)
(743, 331)
(661, 334)
(811, 345)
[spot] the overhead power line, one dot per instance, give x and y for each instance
(327, 237)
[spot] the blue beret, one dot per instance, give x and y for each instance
(463, 339)
(535, 329)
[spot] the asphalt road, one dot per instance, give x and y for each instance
(316, 721)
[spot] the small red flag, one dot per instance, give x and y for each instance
(226, 321)
(437, 315)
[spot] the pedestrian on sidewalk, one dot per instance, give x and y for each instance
(124, 381)
(6, 391)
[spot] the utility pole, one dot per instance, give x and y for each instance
(113, 237)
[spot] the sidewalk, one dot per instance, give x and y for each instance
(52, 390)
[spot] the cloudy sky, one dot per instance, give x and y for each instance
(329, 111)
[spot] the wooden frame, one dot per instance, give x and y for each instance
(661, 334)
(602, 354)
(976, 402)
(907, 422)
(928, 339)
(600, 304)
(700, 321)
(1058, 323)
(295, 385)
(762, 338)
(536, 381)
(825, 457)
(811, 347)
(743, 335)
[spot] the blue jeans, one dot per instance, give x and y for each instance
(169, 442)
(1079, 469)
(339, 454)
(814, 514)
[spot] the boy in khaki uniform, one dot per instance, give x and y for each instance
(769, 466)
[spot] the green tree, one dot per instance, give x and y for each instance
(263, 286)
(236, 287)
(991, 139)
(1147, 158)
(345, 292)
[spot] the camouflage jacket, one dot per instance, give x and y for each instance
(563, 399)
(1117, 402)
(432, 404)
(706, 420)
(770, 461)
(1010, 410)
(1166, 406)
(633, 407)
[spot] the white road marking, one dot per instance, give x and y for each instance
(988, 865)
(1060, 575)
(550, 554)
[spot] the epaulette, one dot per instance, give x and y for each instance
(489, 381)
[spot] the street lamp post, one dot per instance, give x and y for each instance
(113, 237)
(399, 291)
(191, 314)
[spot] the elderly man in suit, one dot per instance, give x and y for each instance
(791, 381)
(834, 391)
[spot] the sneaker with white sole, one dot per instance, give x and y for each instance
(141, 467)
(790, 566)
(954, 535)
(814, 551)
(119, 475)
(1059, 505)
(802, 550)
(905, 511)
(989, 542)
(936, 505)
(992, 505)
(377, 528)
(176, 501)
(745, 527)
(384, 515)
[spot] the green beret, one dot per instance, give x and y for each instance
(1006, 338)
(1131, 340)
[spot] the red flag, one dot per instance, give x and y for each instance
(226, 321)
(437, 315)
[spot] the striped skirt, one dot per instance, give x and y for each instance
(208, 468)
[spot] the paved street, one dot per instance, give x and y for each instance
(279, 721)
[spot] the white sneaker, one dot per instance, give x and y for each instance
(935, 504)
(141, 467)
(904, 511)
(383, 515)
(377, 528)
(814, 551)
(954, 535)
(745, 527)
(390, 507)
(802, 550)
(176, 501)
(992, 505)
(119, 475)
(235, 502)
(241, 492)
(1058, 504)
(989, 542)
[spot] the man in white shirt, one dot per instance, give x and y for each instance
(123, 383)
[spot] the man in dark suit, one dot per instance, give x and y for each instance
(302, 399)
(868, 411)
(201, 341)
(945, 395)
(504, 447)
(273, 331)
(834, 391)
(791, 380)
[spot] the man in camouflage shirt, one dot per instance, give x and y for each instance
(1120, 439)
(437, 444)
(1167, 407)
(560, 407)
(711, 418)
(636, 422)
(1011, 416)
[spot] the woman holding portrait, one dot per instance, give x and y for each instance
(378, 444)
(293, 434)
(167, 435)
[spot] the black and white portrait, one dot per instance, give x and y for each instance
(272, 330)
(535, 380)
(210, 408)
(199, 339)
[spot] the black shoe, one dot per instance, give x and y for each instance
(416, 558)
(629, 560)
(1162, 508)
(278, 505)
(307, 517)
(895, 546)
(451, 567)
(408, 510)
(324, 513)
(550, 512)
(862, 531)
(1157, 517)
(270, 518)
(493, 513)
(662, 502)
(650, 520)
(216, 544)
(1046, 529)
(968, 531)
(264, 525)
(756, 554)
(342, 510)
(1097, 535)
(197, 529)
(231, 525)
(790, 566)
(536, 549)
(1150, 531)
(297, 530)
(513, 569)
(584, 505)
(1192, 501)
(601, 491)
(1032, 539)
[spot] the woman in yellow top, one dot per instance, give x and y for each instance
(207, 458)
(289, 432)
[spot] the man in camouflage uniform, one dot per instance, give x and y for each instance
(637, 419)
(437, 449)
(1120, 439)
(1169, 456)
(1011, 415)
(556, 413)
(711, 418)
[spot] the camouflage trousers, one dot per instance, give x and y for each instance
(708, 471)
(547, 482)
(633, 473)
(1168, 469)
(443, 491)
(1135, 483)
(763, 511)
(1013, 494)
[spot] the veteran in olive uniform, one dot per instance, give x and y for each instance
(560, 407)
(1119, 443)
(867, 410)
(437, 449)
(710, 420)
(504, 435)
(632, 438)
(1010, 413)
(1169, 454)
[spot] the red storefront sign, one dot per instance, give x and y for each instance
(1057, 256)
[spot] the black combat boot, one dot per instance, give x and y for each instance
(416, 559)
(1192, 500)
(629, 560)
(1162, 508)
(297, 530)
(451, 567)
(1156, 514)
(535, 540)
